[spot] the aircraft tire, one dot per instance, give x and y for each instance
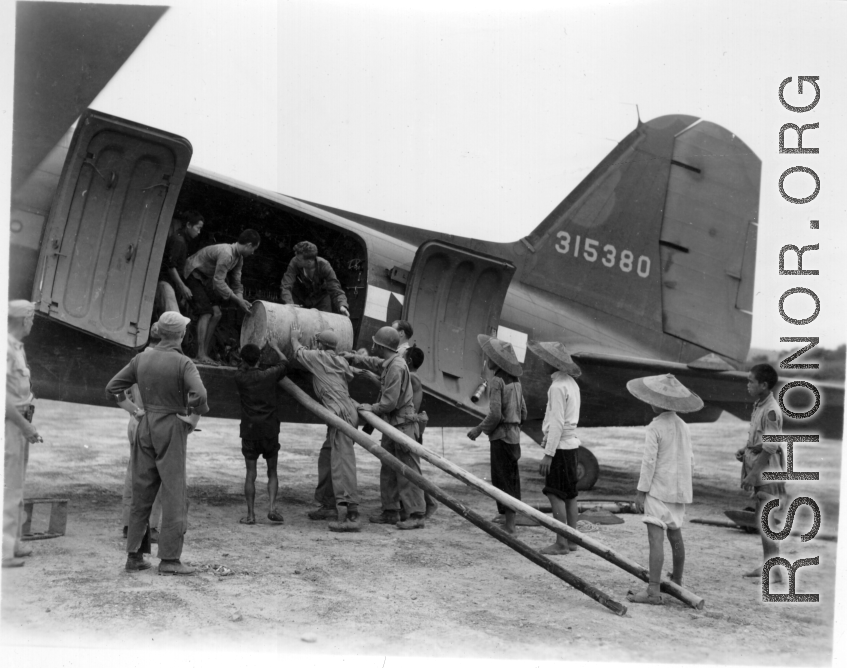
(588, 469)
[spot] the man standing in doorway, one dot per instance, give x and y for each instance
(206, 273)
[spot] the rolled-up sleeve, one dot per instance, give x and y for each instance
(123, 381)
(648, 460)
(495, 412)
(196, 389)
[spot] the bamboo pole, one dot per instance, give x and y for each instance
(554, 525)
(454, 504)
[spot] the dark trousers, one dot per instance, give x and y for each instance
(158, 462)
(325, 492)
(504, 470)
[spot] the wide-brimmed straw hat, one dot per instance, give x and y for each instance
(501, 353)
(666, 392)
(556, 354)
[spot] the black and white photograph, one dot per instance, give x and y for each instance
(391, 332)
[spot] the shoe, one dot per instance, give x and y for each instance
(430, 510)
(323, 514)
(349, 524)
(136, 562)
(412, 523)
(154, 536)
(13, 563)
(22, 551)
(175, 567)
(385, 517)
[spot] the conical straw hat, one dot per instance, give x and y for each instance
(666, 392)
(556, 354)
(502, 353)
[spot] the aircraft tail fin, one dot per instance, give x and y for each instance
(661, 233)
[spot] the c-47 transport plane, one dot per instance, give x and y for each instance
(645, 268)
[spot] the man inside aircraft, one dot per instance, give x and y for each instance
(310, 282)
(206, 273)
(172, 290)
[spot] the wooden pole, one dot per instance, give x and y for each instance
(554, 525)
(454, 504)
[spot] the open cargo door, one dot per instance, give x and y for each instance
(107, 228)
(454, 294)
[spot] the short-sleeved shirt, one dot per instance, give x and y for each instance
(18, 381)
(668, 460)
(217, 263)
(765, 419)
(257, 389)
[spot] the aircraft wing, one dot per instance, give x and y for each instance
(605, 377)
(65, 54)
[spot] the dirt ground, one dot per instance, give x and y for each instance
(447, 591)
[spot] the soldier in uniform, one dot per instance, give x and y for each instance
(20, 431)
(174, 398)
(396, 407)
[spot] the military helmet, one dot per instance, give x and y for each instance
(387, 337)
(328, 338)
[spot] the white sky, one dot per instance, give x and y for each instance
(478, 118)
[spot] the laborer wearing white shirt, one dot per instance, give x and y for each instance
(664, 486)
(560, 443)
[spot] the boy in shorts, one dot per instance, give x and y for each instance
(560, 442)
(757, 457)
(664, 486)
(258, 391)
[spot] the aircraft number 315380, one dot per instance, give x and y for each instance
(626, 261)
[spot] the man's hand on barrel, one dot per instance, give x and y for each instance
(243, 304)
(343, 310)
(296, 332)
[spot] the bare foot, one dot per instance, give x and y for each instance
(555, 548)
(776, 576)
(247, 520)
(573, 547)
(205, 360)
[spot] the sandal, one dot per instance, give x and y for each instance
(247, 520)
(274, 516)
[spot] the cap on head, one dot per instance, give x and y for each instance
(328, 338)
(20, 308)
(387, 337)
(306, 249)
(171, 322)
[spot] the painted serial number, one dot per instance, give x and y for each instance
(608, 255)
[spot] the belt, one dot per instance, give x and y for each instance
(165, 410)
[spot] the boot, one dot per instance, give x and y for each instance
(174, 567)
(385, 517)
(135, 562)
(415, 521)
(323, 513)
(350, 523)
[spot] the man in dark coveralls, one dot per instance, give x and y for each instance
(310, 282)
(174, 399)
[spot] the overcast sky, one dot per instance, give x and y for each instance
(478, 118)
